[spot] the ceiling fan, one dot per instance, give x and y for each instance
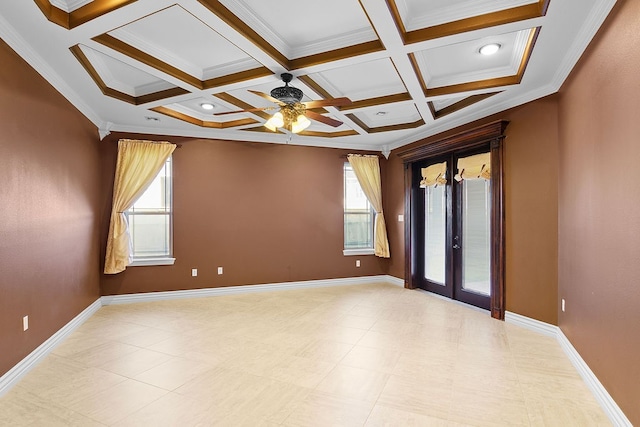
(292, 114)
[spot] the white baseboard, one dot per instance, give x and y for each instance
(531, 324)
(244, 289)
(609, 406)
(9, 379)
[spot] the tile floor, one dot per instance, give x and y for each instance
(365, 355)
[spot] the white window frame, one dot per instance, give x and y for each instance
(164, 259)
(357, 251)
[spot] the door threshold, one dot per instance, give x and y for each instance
(464, 304)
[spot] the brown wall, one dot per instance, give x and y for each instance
(531, 207)
(599, 224)
(49, 170)
(267, 213)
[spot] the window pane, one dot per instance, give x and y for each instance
(156, 197)
(476, 226)
(150, 234)
(358, 214)
(354, 197)
(435, 230)
(358, 230)
(150, 218)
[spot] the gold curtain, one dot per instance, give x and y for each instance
(138, 164)
(434, 175)
(367, 170)
(474, 167)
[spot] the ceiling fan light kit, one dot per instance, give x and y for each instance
(293, 114)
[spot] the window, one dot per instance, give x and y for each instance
(358, 217)
(151, 222)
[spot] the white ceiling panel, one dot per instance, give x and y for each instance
(180, 39)
(300, 28)
(418, 14)
(362, 81)
(462, 62)
(123, 77)
(389, 115)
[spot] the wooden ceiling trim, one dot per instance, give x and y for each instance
(520, 13)
(363, 103)
(400, 126)
(202, 123)
(145, 58)
(238, 77)
(105, 89)
(244, 105)
(339, 134)
(458, 105)
(237, 24)
(152, 61)
(380, 100)
(336, 54)
(81, 15)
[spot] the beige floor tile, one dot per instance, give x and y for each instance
(172, 373)
(146, 337)
(484, 408)
(565, 412)
(300, 371)
(349, 355)
(322, 410)
(383, 416)
(117, 402)
(103, 353)
(79, 386)
(19, 407)
(324, 351)
(135, 363)
(427, 396)
(373, 359)
(172, 410)
(358, 322)
(353, 383)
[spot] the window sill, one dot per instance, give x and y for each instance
(350, 252)
(141, 262)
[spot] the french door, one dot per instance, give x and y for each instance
(453, 232)
(423, 264)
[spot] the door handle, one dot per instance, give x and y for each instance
(456, 246)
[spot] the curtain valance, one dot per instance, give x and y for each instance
(474, 167)
(434, 175)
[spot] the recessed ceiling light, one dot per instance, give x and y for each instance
(490, 49)
(206, 106)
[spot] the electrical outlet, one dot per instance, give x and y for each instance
(400, 218)
(194, 272)
(25, 323)
(563, 305)
(219, 270)
(357, 263)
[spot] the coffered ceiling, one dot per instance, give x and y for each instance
(412, 68)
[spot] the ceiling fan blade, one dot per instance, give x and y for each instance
(331, 102)
(243, 111)
(323, 119)
(265, 96)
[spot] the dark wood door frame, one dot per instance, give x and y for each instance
(492, 134)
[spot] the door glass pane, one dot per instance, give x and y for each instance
(435, 217)
(476, 232)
